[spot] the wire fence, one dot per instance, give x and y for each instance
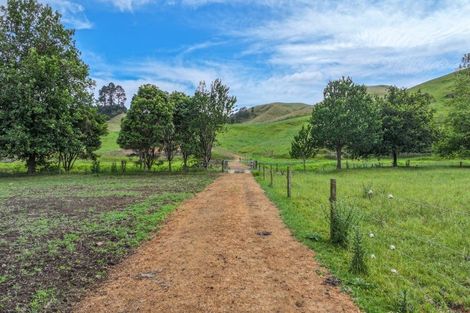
(460, 256)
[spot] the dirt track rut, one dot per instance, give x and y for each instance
(225, 250)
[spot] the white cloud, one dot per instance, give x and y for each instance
(73, 13)
(300, 45)
(127, 5)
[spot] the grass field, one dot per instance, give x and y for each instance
(59, 234)
(427, 221)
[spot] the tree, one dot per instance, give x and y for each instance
(302, 146)
(456, 138)
(183, 120)
(213, 109)
(347, 117)
(84, 138)
(41, 75)
(171, 141)
(406, 123)
(112, 100)
(143, 128)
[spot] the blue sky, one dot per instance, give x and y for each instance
(267, 50)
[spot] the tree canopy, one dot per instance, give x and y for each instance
(143, 128)
(302, 146)
(43, 79)
(112, 100)
(406, 123)
(348, 117)
(212, 111)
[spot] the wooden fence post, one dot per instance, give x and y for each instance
(461, 164)
(223, 166)
(264, 172)
(288, 182)
(271, 174)
(333, 190)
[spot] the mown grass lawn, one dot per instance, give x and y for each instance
(59, 234)
(417, 223)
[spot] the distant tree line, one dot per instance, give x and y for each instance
(111, 100)
(349, 119)
(160, 123)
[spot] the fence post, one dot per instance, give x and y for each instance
(461, 164)
(264, 172)
(288, 182)
(271, 174)
(223, 165)
(333, 190)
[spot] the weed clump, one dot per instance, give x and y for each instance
(342, 219)
(404, 304)
(358, 262)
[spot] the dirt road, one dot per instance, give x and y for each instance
(226, 250)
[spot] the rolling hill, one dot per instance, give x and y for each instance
(269, 139)
(272, 112)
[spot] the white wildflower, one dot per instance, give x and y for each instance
(394, 271)
(371, 235)
(370, 192)
(390, 196)
(392, 247)
(372, 256)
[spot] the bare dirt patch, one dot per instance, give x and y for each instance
(56, 242)
(209, 258)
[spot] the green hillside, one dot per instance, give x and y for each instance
(272, 112)
(441, 89)
(377, 90)
(261, 139)
(109, 147)
(114, 124)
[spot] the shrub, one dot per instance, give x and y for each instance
(342, 218)
(358, 262)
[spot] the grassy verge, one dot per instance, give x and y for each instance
(415, 226)
(60, 234)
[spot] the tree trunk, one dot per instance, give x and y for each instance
(395, 158)
(338, 157)
(169, 166)
(31, 162)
